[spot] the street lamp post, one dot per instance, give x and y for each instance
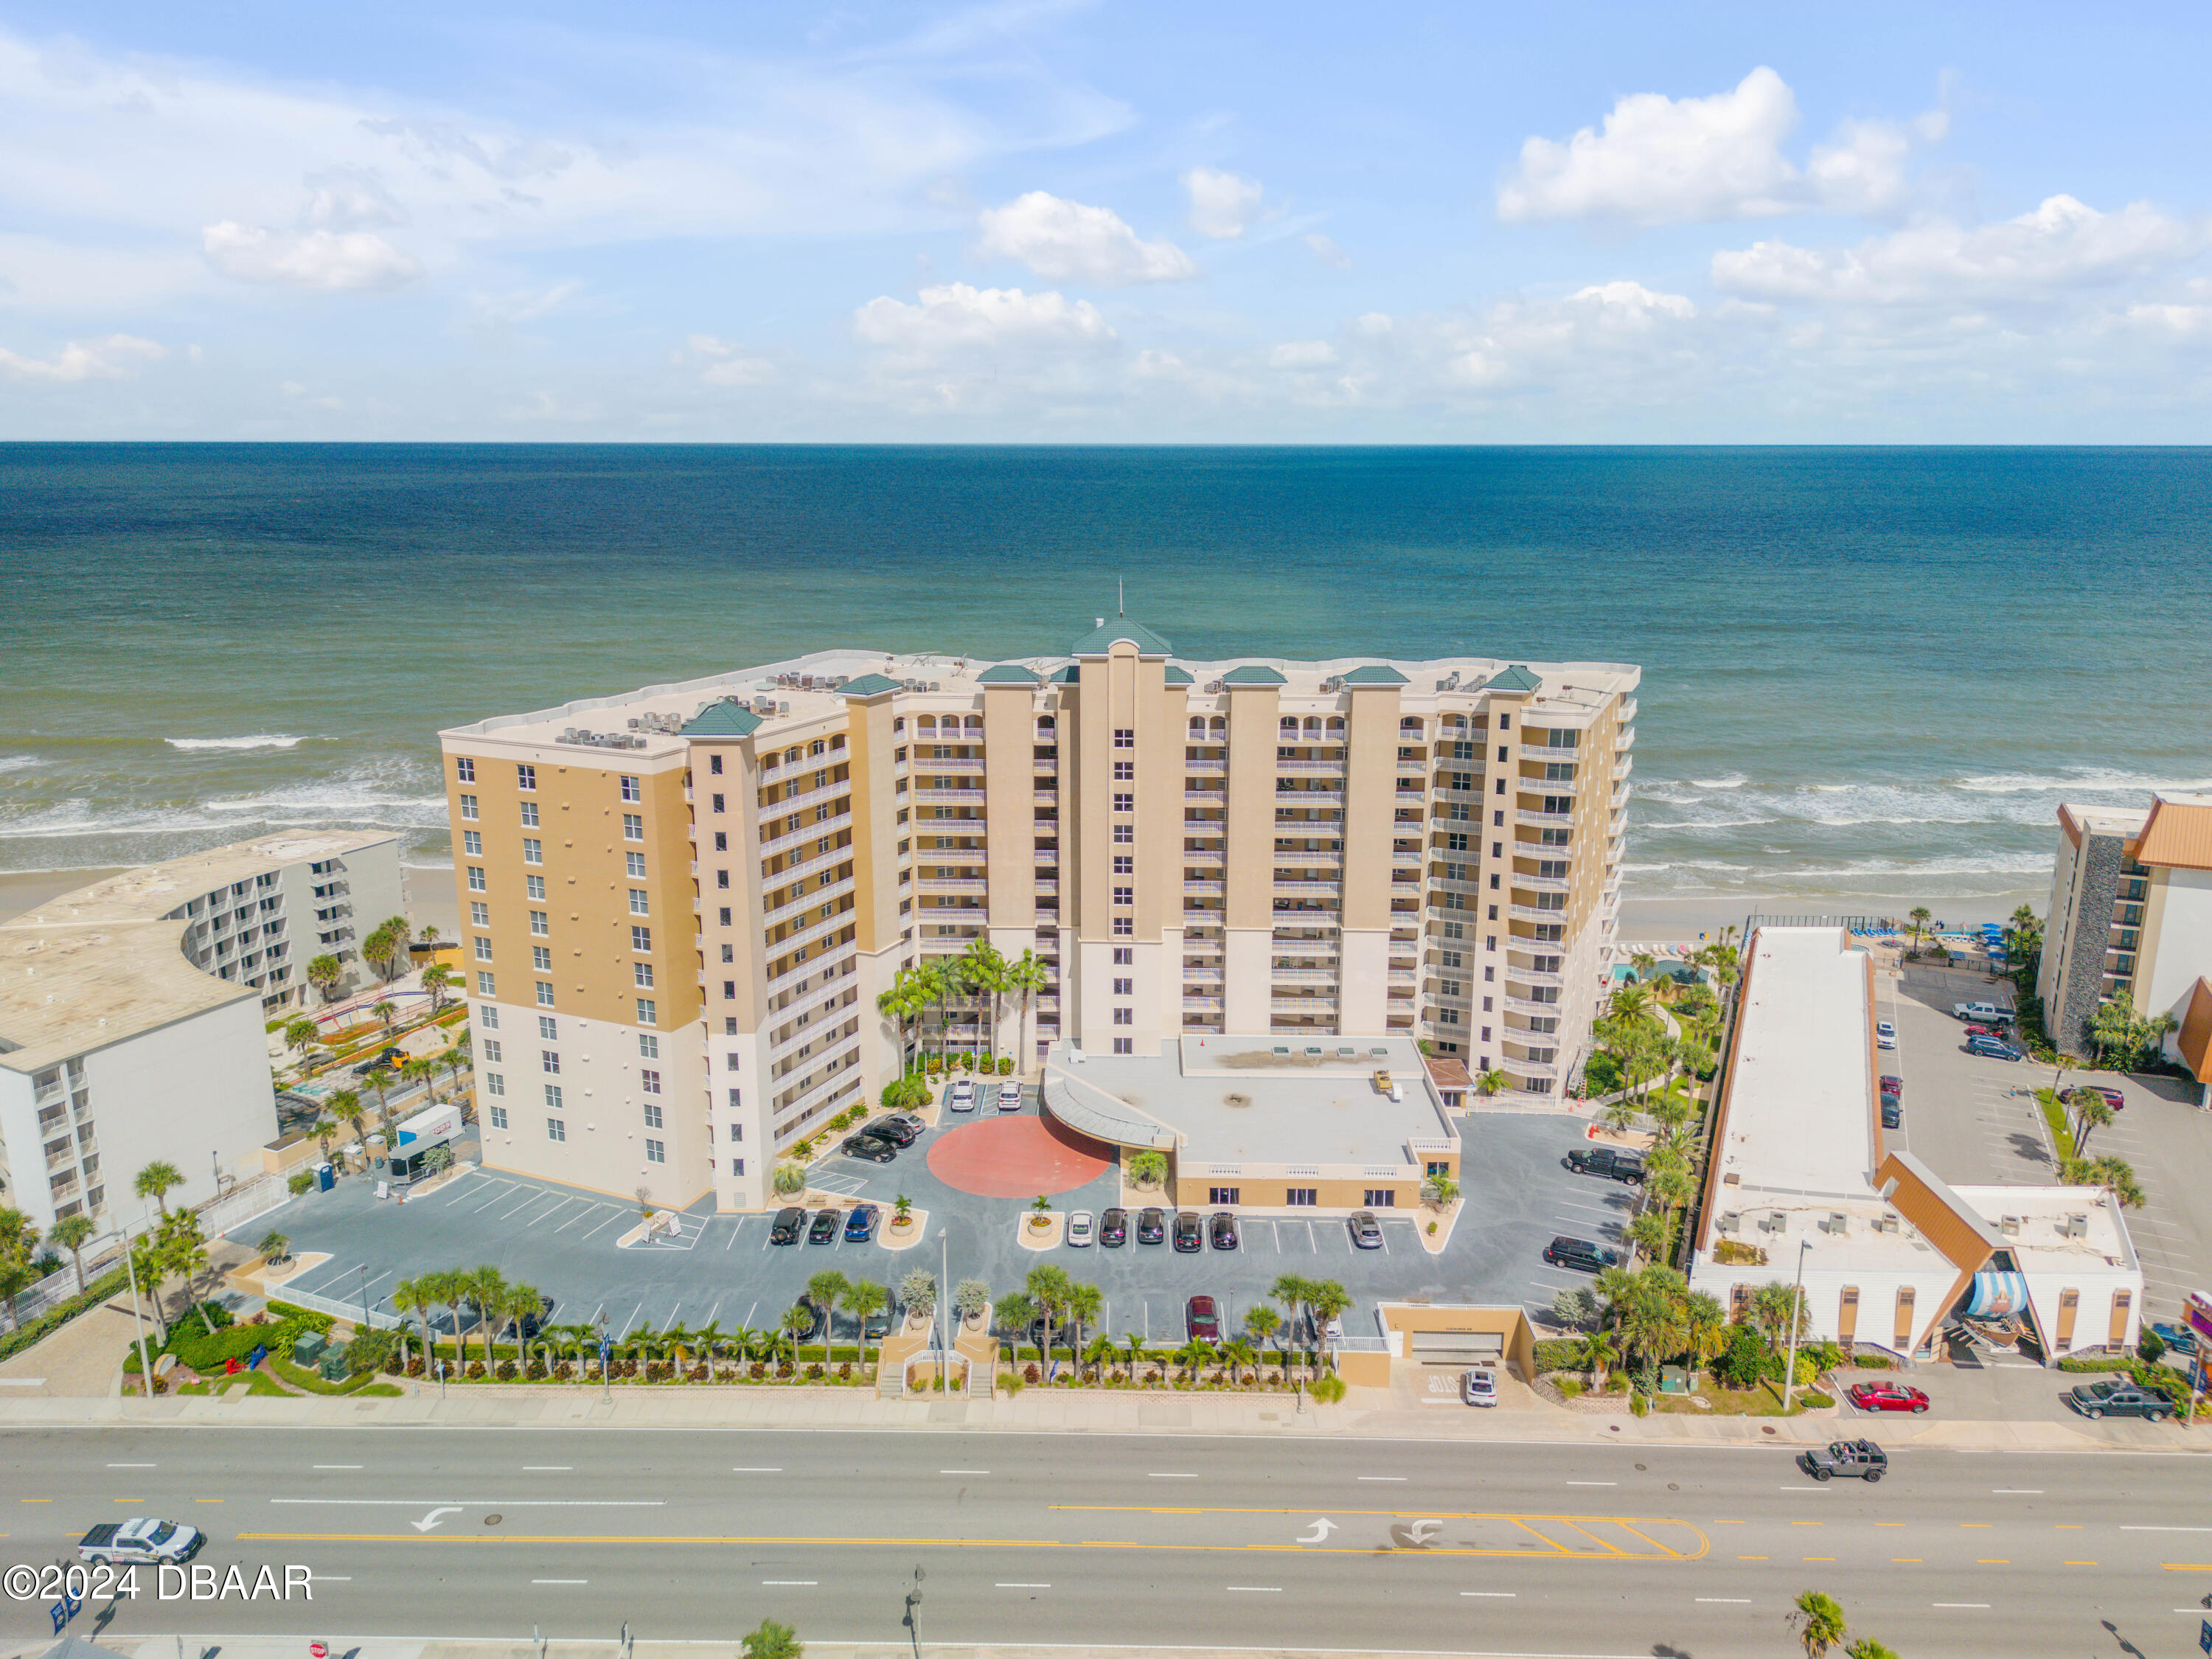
(137, 1319)
(1796, 1319)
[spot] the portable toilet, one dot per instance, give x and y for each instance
(326, 1177)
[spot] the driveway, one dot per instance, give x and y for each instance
(722, 1268)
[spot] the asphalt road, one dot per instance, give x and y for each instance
(1495, 1548)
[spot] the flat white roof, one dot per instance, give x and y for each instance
(2037, 1237)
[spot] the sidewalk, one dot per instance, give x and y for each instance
(1366, 1414)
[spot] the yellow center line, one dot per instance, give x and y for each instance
(2187, 1566)
(207, 1500)
(1819, 1558)
(2069, 1526)
(1889, 1523)
(1728, 1523)
(1754, 1557)
(1983, 1525)
(1904, 1561)
(1993, 1561)
(2081, 1564)
(1804, 1523)
(36, 1500)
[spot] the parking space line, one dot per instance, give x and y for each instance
(608, 1221)
(547, 1215)
(635, 1315)
(669, 1324)
(573, 1220)
(464, 1189)
(734, 1231)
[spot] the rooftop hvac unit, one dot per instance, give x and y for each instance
(1334, 683)
(633, 722)
(1837, 1223)
(2010, 1226)
(1773, 1222)
(1731, 1223)
(1889, 1223)
(783, 708)
(2075, 1226)
(1213, 688)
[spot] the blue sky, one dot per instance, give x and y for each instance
(1109, 223)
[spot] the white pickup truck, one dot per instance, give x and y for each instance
(142, 1538)
(1980, 1013)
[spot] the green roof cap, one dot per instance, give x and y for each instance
(1515, 678)
(1101, 639)
(722, 720)
(1374, 674)
(1253, 673)
(869, 686)
(1067, 675)
(1007, 673)
(1178, 676)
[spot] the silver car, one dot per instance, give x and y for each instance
(1478, 1387)
(1080, 1229)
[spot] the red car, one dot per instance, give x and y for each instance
(1202, 1317)
(1886, 1397)
(2114, 1099)
(1987, 1031)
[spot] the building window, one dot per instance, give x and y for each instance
(529, 815)
(1125, 988)
(549, 1028)
(465, 769)
(721, 841)
(495, 1083)
(714, 763)
(540, 927)
(634, 864)
(632, 827)
(648, 1080)
(656, 1151)
(525, 777)
(484, 949)
(736, 1166)
(1125, 771)
(1125, 834)
(1125, 896)
(724, 915)
(548, 1060)
(729, 990)
(491, 1050)
(553, 1095)
(729, 952)
(1299, 1197)
(499, 1117)
(556, 1130)
(1448, 1017)
(637, 901)
(541, 958)
(737, 1130)
(535, 886)
(1125, 737)
(648, 1046)
(1124, 802)
(641, 974)
(479, 914)
(483, 986)
(472, 844)
(491, 1020)
(645, 1014)
(1382, 1198)
(468, 807)
(1124, 864)
(651, 1115)
(718, 803)
(544, 995)
(1125, 927)
(533, 851)
(640, 939)
(1125, 1015)
(631, 790)
(721, 879)
(1224, 1194)
(1124, 956)
(1125, 1045)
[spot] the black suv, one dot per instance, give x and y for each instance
(824, 1229)
(871, 1146)
(1190, 1231)
(2118, 1399)
(1607, 1161)
(1860, 1457)
(787, 1225)
(1114, 1228)
(1151, 1226)
(899, 1131)
(818, 1316)
(1581, 1253)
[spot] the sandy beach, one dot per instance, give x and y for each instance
(1672, 920)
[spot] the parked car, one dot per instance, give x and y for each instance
(1202, 1317)
(818, 1316)
(1981, 1013)
(1114, 1228)
(787, 1226)
(1081, 1229)
(2113, 1398)
(1478, 1387)
(1986, 1030)
(1885, 1034)
(1009, 1096)
(962, 1098)
(860, 1226)
(531, 1323)
(824, 1229)
(1366, 1230)
(142, 1538)
(900, 1131)
(868, 1147)
(1892, 1114)
(1151, 1226)
(1990, 1049)
(1581, 1255)
(1222, 1232)
(1614, 1163)
(1190, 1231)
(1886, 1397)
(1893, 1085)
(2114, 1097)
(1861, 1458)
(2180, 1338)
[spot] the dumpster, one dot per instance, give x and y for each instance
(308, 1347)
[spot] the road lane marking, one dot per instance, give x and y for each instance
(560, 1581)
(1503, 1595)
(1819, 1558)
(487, 1503)
(1907, 1561)
(1021, 1587)
(134, 1466)
(963, 1471)
(1983, 1605)
(547, 1468)
(1382, 1477)
(1592, 1483)
(1254, 1590)
(1170, 1474)
(793, 1583)
(319, 1466)
(1728, 1600)
(2165, 1529)
(1754, 1557)
(751, 1468)
(2017, 1492)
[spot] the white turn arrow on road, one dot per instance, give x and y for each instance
(430, 1520)
(1322, 1527)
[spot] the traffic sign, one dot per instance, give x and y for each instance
(2203, 1634)
(2196, 1314)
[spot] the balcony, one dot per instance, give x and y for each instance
(1048, 887)
(1535, 912)
(797, 906)
(807, 830)
(1626, 712)
(1539, 883)
(1044, 768)
(1205, 887)
(1309, 795)
(1204, 855)
(1541, 820)
(1193, 975)
(1527, 785)
(1533, 976)
(943, 797)
(820, 964)
(1405, 860)
(954, 884)
(1310, 769)
(829, 860)
(1202, 1005)
(1303, 975)
(1532, 1068)
(1211, 828)
(1217, 768)
(812, 798)
(1625, 741)
(824, 1034)
(1204, 796)
(1302, 1006)
(1304, 889)
(1044, 798)
(1523, 1005)
(1285, 946)
(1464, 797)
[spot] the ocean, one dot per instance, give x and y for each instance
(1869, 675)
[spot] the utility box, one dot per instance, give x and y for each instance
(307, 1347)
(333, 1367)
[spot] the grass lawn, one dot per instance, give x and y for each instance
(2054, 1114)
(1765, 1401)
(307, 1383)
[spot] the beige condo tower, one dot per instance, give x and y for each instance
(680, 906)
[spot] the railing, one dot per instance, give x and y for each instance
(1528, 1067)
(1534, 913)
(829, 959)
(1626, 712)
(814, 866)
(336, 1309)
(826, 1034)
(812, 798)
(1298, 797)
(1044, 798)
(1044, 768)
(1302, 1006)
(1522, 815)
(1314, 769)
(828, 826)
(953, 884)
(1204, 827)
(1202, 1005)
(1524, 1005)
(1190, 765)
(1625, 741)
(1206, 795)
(1306, 888)
(1201, 975)
(1538, 883)
(1204, 855)
(792, 909)
(1205, 887)
(806, 937)
(941, 796)
(1047, 887)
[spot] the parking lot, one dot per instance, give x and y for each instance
(1963, 1120)
(723, 1270)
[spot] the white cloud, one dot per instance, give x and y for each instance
(1324, 248)
(1065, 241)
(955, 315)
(724, 363)
(1222, 205)
(2063, 244)
(334, 260)
(1302, 353)
(108, 359)
(1666, 160)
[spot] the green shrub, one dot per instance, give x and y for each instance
(2152, 1347)
(2095, 1362)
(1327, 1389)
(1746, 1361)
(1570, 1386)
(1872, 1362)
(371, 1350)
(303, 1317)
(1638, 1405)
(1559, 1353)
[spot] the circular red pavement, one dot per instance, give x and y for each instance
(1019, 1156)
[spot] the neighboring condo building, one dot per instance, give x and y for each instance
(2131, 910)
(680, 906)
(133, 1014)
(1802, 1187)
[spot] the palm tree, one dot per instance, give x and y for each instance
(901, 1007)
(345, 1106)
(1239, 1355)
(1263, 1322)
(299, 1034)
(2115, 1174)
(1085, 1304)
(384, 1010)
(411, 1296)
(1490, 1082)
(517, 1303)
(985, 969)
(1099, 1354)
(324, 972)
(1136, 1346)
(1706, 1323)
(827, 1288)
(71, 1232)
(156, 1179)
(1025, 978)
(864, 1299)
(1600, 1355)
(1643, 962)
(1919, 916)
(454, 1059)
(1293, 1292)
(437, 978)
(1050, 1289)
(1818, 1620)
(2091, 1111)
(486, 1286)
(420, 1069)
(1867, 1648)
